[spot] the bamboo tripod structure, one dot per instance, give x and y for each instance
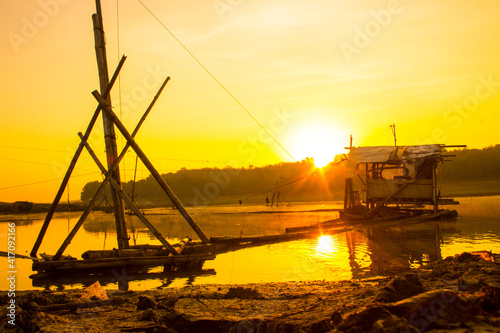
(112, 175)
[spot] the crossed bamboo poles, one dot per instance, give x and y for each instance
(103, 105)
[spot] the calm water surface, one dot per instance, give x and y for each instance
(355, 254)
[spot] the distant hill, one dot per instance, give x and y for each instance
(472, 172)
(229, 185)
(208, 186)
(472, 164)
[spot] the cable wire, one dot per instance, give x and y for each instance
(36, 149)
(120, 80)
(47, 181)
(37, 163)
(215, 79)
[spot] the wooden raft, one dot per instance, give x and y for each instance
(67, 265)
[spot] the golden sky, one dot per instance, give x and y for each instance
(311, 72)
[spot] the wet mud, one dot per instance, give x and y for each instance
(457, 294)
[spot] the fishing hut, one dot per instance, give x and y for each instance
(125, 255)
(394, 181)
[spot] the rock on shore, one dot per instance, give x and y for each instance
(457, 294)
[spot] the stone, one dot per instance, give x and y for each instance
(145, 303)
(95, 292)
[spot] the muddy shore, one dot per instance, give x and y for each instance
(457, 294)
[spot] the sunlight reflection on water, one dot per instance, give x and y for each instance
(326, 245)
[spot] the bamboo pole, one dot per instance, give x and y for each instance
(67, 176)
(434, 189)
(346, 186)
(365, 183)
(129, 202)
(109, 129)
(148, 110)
(105, 181)
(151, 168)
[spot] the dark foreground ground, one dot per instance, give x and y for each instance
(457, 294)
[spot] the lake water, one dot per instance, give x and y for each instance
(341, 256)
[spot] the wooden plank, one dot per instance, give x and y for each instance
(260, 239)
(123, 253)
(448, 202)
(382, 188)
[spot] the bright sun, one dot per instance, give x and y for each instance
(317, 140)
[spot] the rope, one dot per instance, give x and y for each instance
(37, 163)
(215, 79)
(120, 81)
(36, 149)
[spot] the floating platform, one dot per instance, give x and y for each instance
(89, 264)
(354, 221)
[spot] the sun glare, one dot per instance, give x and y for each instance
(319, 141)
(326, 244)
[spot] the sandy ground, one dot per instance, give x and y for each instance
(457, 294)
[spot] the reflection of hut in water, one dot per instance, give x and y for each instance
(22, 207)
(355, 240)
(381, 252)
(395, 250)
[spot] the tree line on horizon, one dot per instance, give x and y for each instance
(304, 182)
